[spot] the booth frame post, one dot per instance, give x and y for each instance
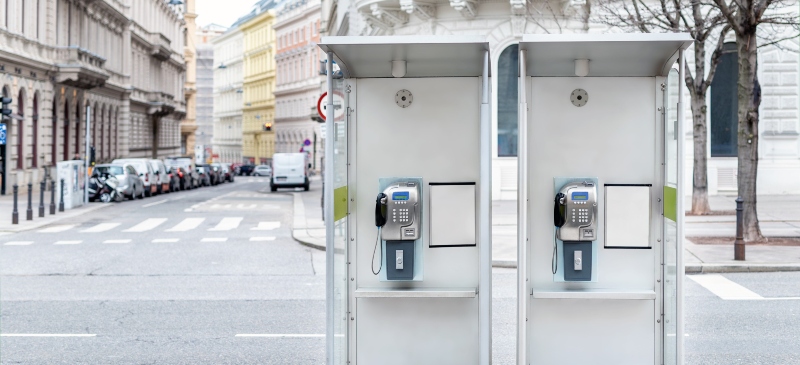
(522, 213)
(328, 214)
(680, 210)
(485, 223)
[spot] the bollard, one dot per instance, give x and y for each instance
(61, 204)
(29, 212)
(41, 199)
(738, 244)
(15, 213)
(52, 197)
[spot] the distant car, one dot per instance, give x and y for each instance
(227, 173)
(205, 175)
(218, 172)
(213, 176)
(262, 170)
(246, 170)
(130, 185)
(174, 180)
(146, 173)
(162, 179)
(289, 170)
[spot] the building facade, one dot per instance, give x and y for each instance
(204, 99)
(258, 138)
(298, 80)
(189, 122)
(228, 101)
(122, 58)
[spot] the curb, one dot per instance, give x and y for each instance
(59, 217)
(734, 268)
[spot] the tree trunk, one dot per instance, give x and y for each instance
(749, 95)
(700, 181)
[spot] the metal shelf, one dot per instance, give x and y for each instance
(416, 293)
(608, 294)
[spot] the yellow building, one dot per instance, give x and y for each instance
(258, 139)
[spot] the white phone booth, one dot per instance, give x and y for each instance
(600, 219)
(408, 200)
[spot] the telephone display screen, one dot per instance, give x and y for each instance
(401, 195)
(580, 195)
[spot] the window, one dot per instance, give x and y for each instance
(724, 104)
(66, 131)
(507, 83)
(35, 131)
(53, 133)
(20, 128)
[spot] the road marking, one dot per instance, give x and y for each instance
(724, 288)
(266, 226)
(187, 224)
(48, 335)
(227, 224)
(147, 225)
(261, 239)
(18, 243)
(282, 335)
(214, 239)
(117, 241)
(165, 240)
(155, 203)
(67, 242)
(102, 227)
(56, 229)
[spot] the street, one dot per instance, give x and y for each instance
(213, 276)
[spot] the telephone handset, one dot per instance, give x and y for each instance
(575, 211)
(401, 201)
(380, 210)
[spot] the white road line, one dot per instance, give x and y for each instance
(282, 335)
(261, 239)
(147, 225)
(187, 224)
(214, 239)
(67, 242)
(227, 224)
(18, 243)
(155, 203)
(165, 240)
(724, 288)
(48, 335)
(102, 227)
(266, 226)
(56, 229)
(117, 241)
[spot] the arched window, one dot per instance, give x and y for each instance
(725, 103)
(65, 147)
(54, 134)
(77, 129)
(20, 128)
(507, 104)
(35, 132)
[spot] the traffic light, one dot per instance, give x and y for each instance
(267, 127)
(6, 109)
(91, 155)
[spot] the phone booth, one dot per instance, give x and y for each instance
(600, 216)
(407, 197)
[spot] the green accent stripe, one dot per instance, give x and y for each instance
(671, 203)
(339, 203)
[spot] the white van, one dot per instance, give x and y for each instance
(289, 170)
(146, 173)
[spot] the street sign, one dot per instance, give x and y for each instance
(307, 142)
(338, 106)
(2, 133)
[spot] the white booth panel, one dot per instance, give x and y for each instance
(628, 216)
(597, 332)
(452, 215)
(401, 331)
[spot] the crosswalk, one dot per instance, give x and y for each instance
(727, 289)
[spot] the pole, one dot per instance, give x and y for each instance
(522, 213)
(15, 212)
(328, 214)
(61, 203)
(485, 223)
(86, 158)
(738, 244)
(29, 211)
(41, 198)
(52, 197)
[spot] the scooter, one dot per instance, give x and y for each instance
(104, 188)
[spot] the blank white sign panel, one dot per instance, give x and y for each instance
(627, 216)
(452, 215)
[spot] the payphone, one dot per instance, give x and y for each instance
(397, 216)
(575, 218)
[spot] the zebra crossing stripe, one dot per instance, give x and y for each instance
(117, 241)
(187, 224)
(165, 240)
(261, 239)
(227, 224)
(56, 229)
(724, 288)
(18, 243)
(67, 242)
(147, 225)
(266, 226)
(102, 227)
(214, 239)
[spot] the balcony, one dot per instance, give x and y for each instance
(80, 68)
(161, 104)
(161, 46)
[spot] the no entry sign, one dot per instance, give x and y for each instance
(338, 106)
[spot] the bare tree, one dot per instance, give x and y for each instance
(702, 23)
(744, 18)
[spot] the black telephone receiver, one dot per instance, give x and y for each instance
(381, 210)
(560, 210)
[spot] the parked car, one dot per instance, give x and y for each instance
(186, 180)
(246, 169)
(174, 180)
(162, 179)
(227, 173)
(130, 185)
(213, 176)
(205, 175)
(289, 170)
(218, 173)
(145, 171)
(262, 170)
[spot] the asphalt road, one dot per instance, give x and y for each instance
(174, 279)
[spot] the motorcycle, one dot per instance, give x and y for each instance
(104, 189)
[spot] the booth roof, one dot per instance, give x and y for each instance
(425, 56)
(617, 55)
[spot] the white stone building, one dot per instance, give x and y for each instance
(204, 98)
(299, 83)
(124, 58)
(504, 22)
(228, 102)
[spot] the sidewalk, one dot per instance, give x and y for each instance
(7, 207)
(779, 217)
